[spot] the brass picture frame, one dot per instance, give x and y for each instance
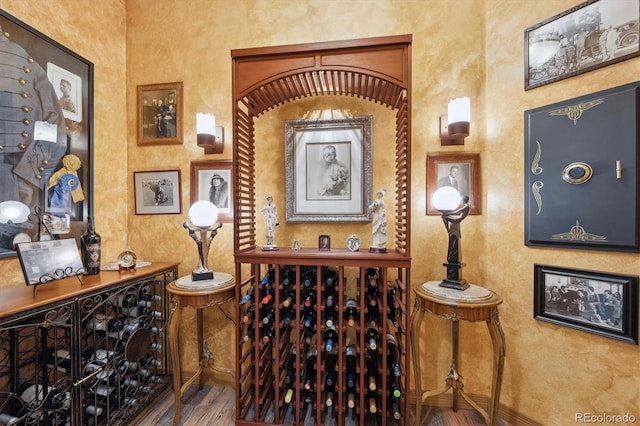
(160, 114)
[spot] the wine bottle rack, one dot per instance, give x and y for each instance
(293, 367)
(95, 356)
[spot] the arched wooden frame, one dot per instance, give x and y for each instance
(377, 69)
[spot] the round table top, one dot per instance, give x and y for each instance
(185, 285)
(474, 295)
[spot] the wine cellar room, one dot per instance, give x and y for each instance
(266, 283)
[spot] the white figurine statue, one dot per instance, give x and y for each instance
(379, 229)
(270, 212)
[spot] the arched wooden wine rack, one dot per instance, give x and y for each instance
(375, 69)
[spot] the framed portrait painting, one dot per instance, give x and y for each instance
(328, 170)
(591, 35)
(46, 158)
(596, 302)
(160, 114)
(212, 181)
(460, 171)
(157, 192)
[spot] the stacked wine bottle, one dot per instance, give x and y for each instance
(325, 345)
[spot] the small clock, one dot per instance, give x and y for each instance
(127, 260)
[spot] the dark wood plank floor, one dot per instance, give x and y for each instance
(215, 406)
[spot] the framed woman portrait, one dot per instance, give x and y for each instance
(212, 181)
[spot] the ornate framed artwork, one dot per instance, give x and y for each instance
(591, 35)
(581, 172)
(157, 192)
(328, 169)
(212, 181)
(596, 302)
(46, 155)
(461, 171)
(160, 114)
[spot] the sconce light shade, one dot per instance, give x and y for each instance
(203, 213)
(210, 137)
(14, 212)
(454, 126)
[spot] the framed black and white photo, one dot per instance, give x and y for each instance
(328, 169)
(157, 192)
(460, 171)
(591, 35)
(596, 302)
(212, 181)
(47, 113)
(160, 114)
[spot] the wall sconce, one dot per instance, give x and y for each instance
(454, 209)
(210, 137)
(202, 228)
(454, 126)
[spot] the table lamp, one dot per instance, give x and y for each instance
(454, 208)
(202, 227)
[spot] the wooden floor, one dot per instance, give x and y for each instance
(213, 406)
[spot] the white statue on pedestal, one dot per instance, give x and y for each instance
(379, 229)
(270, 212)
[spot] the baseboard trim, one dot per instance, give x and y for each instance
(505, 413)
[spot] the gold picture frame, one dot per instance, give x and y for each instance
(160, 114)
(439, 167)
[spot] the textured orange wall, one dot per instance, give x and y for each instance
(462, 47)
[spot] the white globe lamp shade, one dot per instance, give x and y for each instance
(203, 214)
(446, 198)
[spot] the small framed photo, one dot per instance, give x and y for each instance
(160, 114)
(324, 242)
(212, 181)
(157, 192)
(591, 35)
(461, 171)
(596, 302)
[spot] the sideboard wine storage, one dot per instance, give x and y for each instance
(86, 350)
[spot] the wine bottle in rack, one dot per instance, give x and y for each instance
(310, 277)
(372, 402)
(372, 370)
(351, 312)
(290, 367)
(248, 297)
(330, 362)
(59, 358)
(309, 299)
(330, 278)
(310, 370)
(371, 275)
(8, 419)
(372, 335)
(249, 332)
(146, 293)
(352, 378)
(330, 337)
(249, 314)
(395, 407)
(270, 316)
(288, 298)
(309, 325)
(268, 293)
(287, 277)
(269, 278)
(330, 316)
(393, 356)
(393, 306)
(267, 332)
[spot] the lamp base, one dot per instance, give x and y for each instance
(454, 284)
(270, 247)
(201, 276)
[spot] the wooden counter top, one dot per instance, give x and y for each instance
(16, 298)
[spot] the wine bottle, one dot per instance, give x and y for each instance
(393, 306)
(393, 355)
(249, 333)
(395, 408)
(310, 370)
(287, 277)
(309, 299)
(290, 374)
(146, 293)
(351, 312)
(330, 337)
(330, 369)
(310, 277)
(8, 419)
(90, 248)
(372, 403)
(249, 314)
(372, 370)
(351, 365)
(269, 278)
(372, 335)
(329, 314)
(248, 296)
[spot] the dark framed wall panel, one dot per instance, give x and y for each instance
(581, 172)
